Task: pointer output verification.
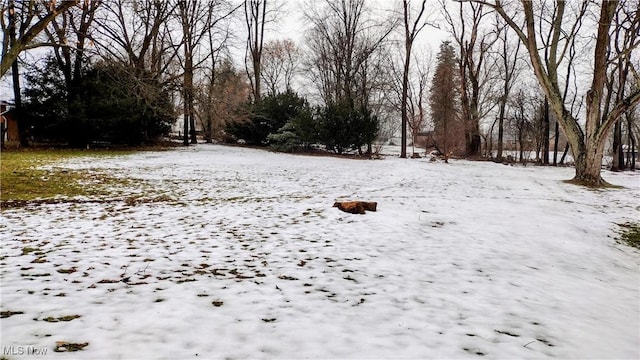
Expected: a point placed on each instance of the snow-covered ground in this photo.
(237, 253)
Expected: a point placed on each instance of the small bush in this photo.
(630, 234)
(285, 140)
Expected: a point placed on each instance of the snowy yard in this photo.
(237, 253)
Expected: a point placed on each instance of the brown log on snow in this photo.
(356, 207)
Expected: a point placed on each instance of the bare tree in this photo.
(219, 91)
(418, 97)
(587, 143)
(281, 59)
(474, 45)
(70, 34)
(540, 129)
(623, 36)
(523, 123)
(413, 25)
(633, 132)
(199, 22)
(390, 93)
(546, 125)
(195, 20)
(257, 14)
(344, 42)
(508, 58)
(23, 23)
(138, 34)
(220, 98)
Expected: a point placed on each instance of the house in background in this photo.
(177, 128)
(8, 125)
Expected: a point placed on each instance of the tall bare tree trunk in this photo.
(210, 96)
(490, 139)
(189, 125)
(411, 31)
(631, 151)
(617, 154)
(255, 12)
(545, 133)
(185, 125)
(596, 134)
(196, 20)
(15, 76)
(192, 117)
(555, 144)
(405, 92)
(501, 128)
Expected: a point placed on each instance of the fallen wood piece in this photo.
(62, 346)
(356, 207)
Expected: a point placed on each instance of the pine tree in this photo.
(443, 99)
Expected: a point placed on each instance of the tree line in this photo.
(529, 75)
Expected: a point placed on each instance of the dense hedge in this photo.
(286, 122)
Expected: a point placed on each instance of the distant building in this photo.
(177, 127)
(9, 135)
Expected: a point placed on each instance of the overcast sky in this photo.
(292, 23)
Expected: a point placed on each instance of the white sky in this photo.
(292, 23)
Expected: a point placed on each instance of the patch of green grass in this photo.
(61, 318)
(630, 234)
(23, 178)
(27, 250)
(67, 271)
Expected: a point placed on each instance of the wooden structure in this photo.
(9, 135)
